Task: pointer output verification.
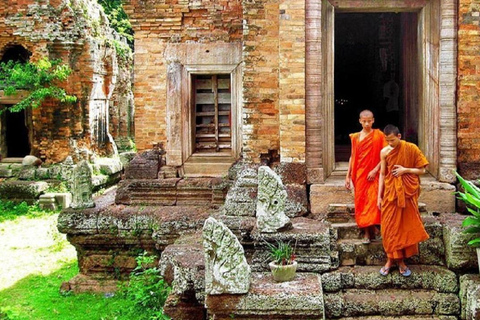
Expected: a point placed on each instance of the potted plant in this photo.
(471, 197)
(283, 264)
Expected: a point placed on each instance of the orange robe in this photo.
(365, 156)
(402, 227)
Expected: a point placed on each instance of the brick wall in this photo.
(157, 23)
(273, 38)
(468, 116)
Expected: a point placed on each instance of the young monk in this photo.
(402, 163)
(363, 168)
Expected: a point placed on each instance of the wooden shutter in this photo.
(212, 113)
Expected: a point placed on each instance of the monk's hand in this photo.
(398, 170)
(371, 175)
(347, 183)
(379, 203)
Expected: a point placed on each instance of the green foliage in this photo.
(282, 253)
(118, 18)
(10, 210)
(471, 197)
(40, 79)
(147, 289)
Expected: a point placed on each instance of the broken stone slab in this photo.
(27, 173)
(426, 277)
(47, 202)
(144, 166)
(6, 173)
(18, 190)
(183, 267)
(226, 269)
(470, 296)
(271, 199)
(301, 298)
(109, 166)
(458, 254)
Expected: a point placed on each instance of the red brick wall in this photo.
(157, 23)
(468, 106)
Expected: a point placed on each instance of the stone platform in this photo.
(301, 298)
(437, 196)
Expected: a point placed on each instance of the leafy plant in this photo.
(118, 18)
(471, 197)
(40, 79)
(282, 253)
(146, 288)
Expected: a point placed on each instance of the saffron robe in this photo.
(402, 227)
(364, 158)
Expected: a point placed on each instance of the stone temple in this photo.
(225, 87)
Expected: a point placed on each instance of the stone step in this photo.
(417, 317)
(207, 166)
(390, 302)
(425, 277)
(172, 192)
(300, 298)
(347, 230)
(354, 252)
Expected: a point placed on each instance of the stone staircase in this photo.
(356, 290)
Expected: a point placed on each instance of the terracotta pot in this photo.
(282, 273)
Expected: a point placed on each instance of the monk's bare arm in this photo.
(399, 170)
(349, 173)
(373, 173)
(381, 178)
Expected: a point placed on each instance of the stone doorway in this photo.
(367, 73)
(425, 71)
(16, 134)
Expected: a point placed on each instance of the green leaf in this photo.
(475, 242)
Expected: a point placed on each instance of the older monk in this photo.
(401, 164)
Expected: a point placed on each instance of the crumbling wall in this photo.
(78, 33)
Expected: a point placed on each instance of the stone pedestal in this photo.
(311, 240)
(301, 298)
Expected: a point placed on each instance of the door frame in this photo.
(436, 76)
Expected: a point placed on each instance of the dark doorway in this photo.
(16, 134)
(14, 123)
(367, 73)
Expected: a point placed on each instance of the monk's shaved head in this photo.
(366, 113)
(391, 129)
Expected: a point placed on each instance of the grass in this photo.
(35, 259)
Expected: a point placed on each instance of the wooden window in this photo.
(212, 105)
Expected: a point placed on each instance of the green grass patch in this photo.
(39, 297)
(10, 210)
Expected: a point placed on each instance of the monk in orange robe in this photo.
(363, 168)
(402, 163)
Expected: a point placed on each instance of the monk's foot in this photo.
(366, 240)
(384, 271)
(404, 271)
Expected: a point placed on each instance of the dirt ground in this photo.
(31, 246)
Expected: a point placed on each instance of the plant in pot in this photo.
(471, 197)
(283, 264)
